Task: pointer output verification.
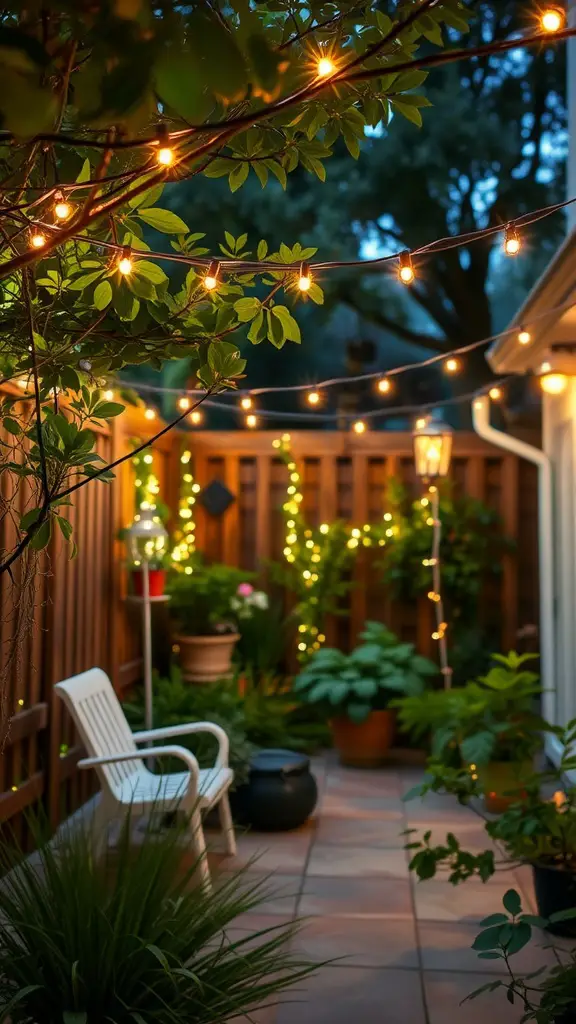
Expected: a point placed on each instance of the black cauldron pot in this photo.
(280, 794)
(555, 890)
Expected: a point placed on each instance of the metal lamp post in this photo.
(146, 539)
(432, 442)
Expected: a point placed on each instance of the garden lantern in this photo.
(432, 441)
(146, 539)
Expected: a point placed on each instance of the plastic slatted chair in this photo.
(127, 784)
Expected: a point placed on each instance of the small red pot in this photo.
(156, 582)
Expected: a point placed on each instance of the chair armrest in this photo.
(138, 755)
(170, 731)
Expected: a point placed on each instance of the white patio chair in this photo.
(127, 784)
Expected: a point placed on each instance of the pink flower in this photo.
(245, 589)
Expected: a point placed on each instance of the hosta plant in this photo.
(365, 680)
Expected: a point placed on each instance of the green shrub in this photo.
(366, 680)
(201, 601)
(132, 939)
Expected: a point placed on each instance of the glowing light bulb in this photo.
(384, 386)
(304, 280)
(251, 421)
(37, 240)
(125, 263)
(524, 337)
(150, 414)
(512, 243)
(406, 272)
(324, 528)
(313, 398)
(109, 395)
(165, 156)
(421, 423)
(451, 366)
(196, 417)
(211, 279)
(554, 383)
(246, 402)
(359, 427)
(325, 67)
(552, 19)
(495, 394)
(62, 209)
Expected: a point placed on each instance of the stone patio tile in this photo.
(353, 807)
(351, 782)
(283, 890)
(285, 852)
(355, 897)
(357, 862)
(446, 946)
(434, 810)
(247, 925)
(363, 831)
(344, 995)
(438, 900)
(359, 941)
(445, 992)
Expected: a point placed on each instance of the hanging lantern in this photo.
(146, 539)
(432, 449)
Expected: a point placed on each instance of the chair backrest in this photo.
(102, 724)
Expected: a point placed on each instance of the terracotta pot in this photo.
(204, 659)
(156, 582)
(364, 745)
(502, 783)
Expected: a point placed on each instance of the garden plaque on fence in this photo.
(216, 498)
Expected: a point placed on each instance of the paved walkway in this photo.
(405, 944)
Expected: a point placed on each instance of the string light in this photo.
(524, 337)
(125, 263)
(553, 383)
(165, 156)
(246, 403)
(185, 546)
(421, 423)
(109, 395)
(313, 398)
(251, 421)
(452, 365)
(183, 403)
(495, 394)
(512, 244)
(384, 386)
(359, 427)
(62, 209)
(37, 239)
(211, 279)
(552, 19)
(150, 414)
(406, 270)
(196, 417)
(304, 279)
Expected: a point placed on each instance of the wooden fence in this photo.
(345, 476)
(79, 621)
(81, 618)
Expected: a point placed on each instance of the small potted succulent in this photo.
(489, 725)
(356, 690)
(206, 605)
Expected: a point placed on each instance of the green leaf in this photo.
(29, 518)
(358, 712)
(181, 84)
(85, 172)
(494, 919)
(65, 527)
(258, 329)
(102, 295)
(151, 271)
(316, 294)
(408, 111)
(12, 426)
(238, 176)
(107, 410)
(247, 308)
(41, 537)
(275, 330)
(512, 902)
(79, 283)
(163, 220)
(289, 324)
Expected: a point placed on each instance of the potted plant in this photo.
(206, 605)
(132, 936)
(489, 725)
(548, 995)
(355, 691)
(157, 570)
(539, 830)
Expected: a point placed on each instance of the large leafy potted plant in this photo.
(490, 725)
(206, 605)
(355, 691)
(132, 937)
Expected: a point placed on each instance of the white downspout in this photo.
(482, 426)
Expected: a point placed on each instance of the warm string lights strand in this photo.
(435, 595)
(185, 536)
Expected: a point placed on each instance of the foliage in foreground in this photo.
(365, 680)
(132, 939)
(546, 995)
